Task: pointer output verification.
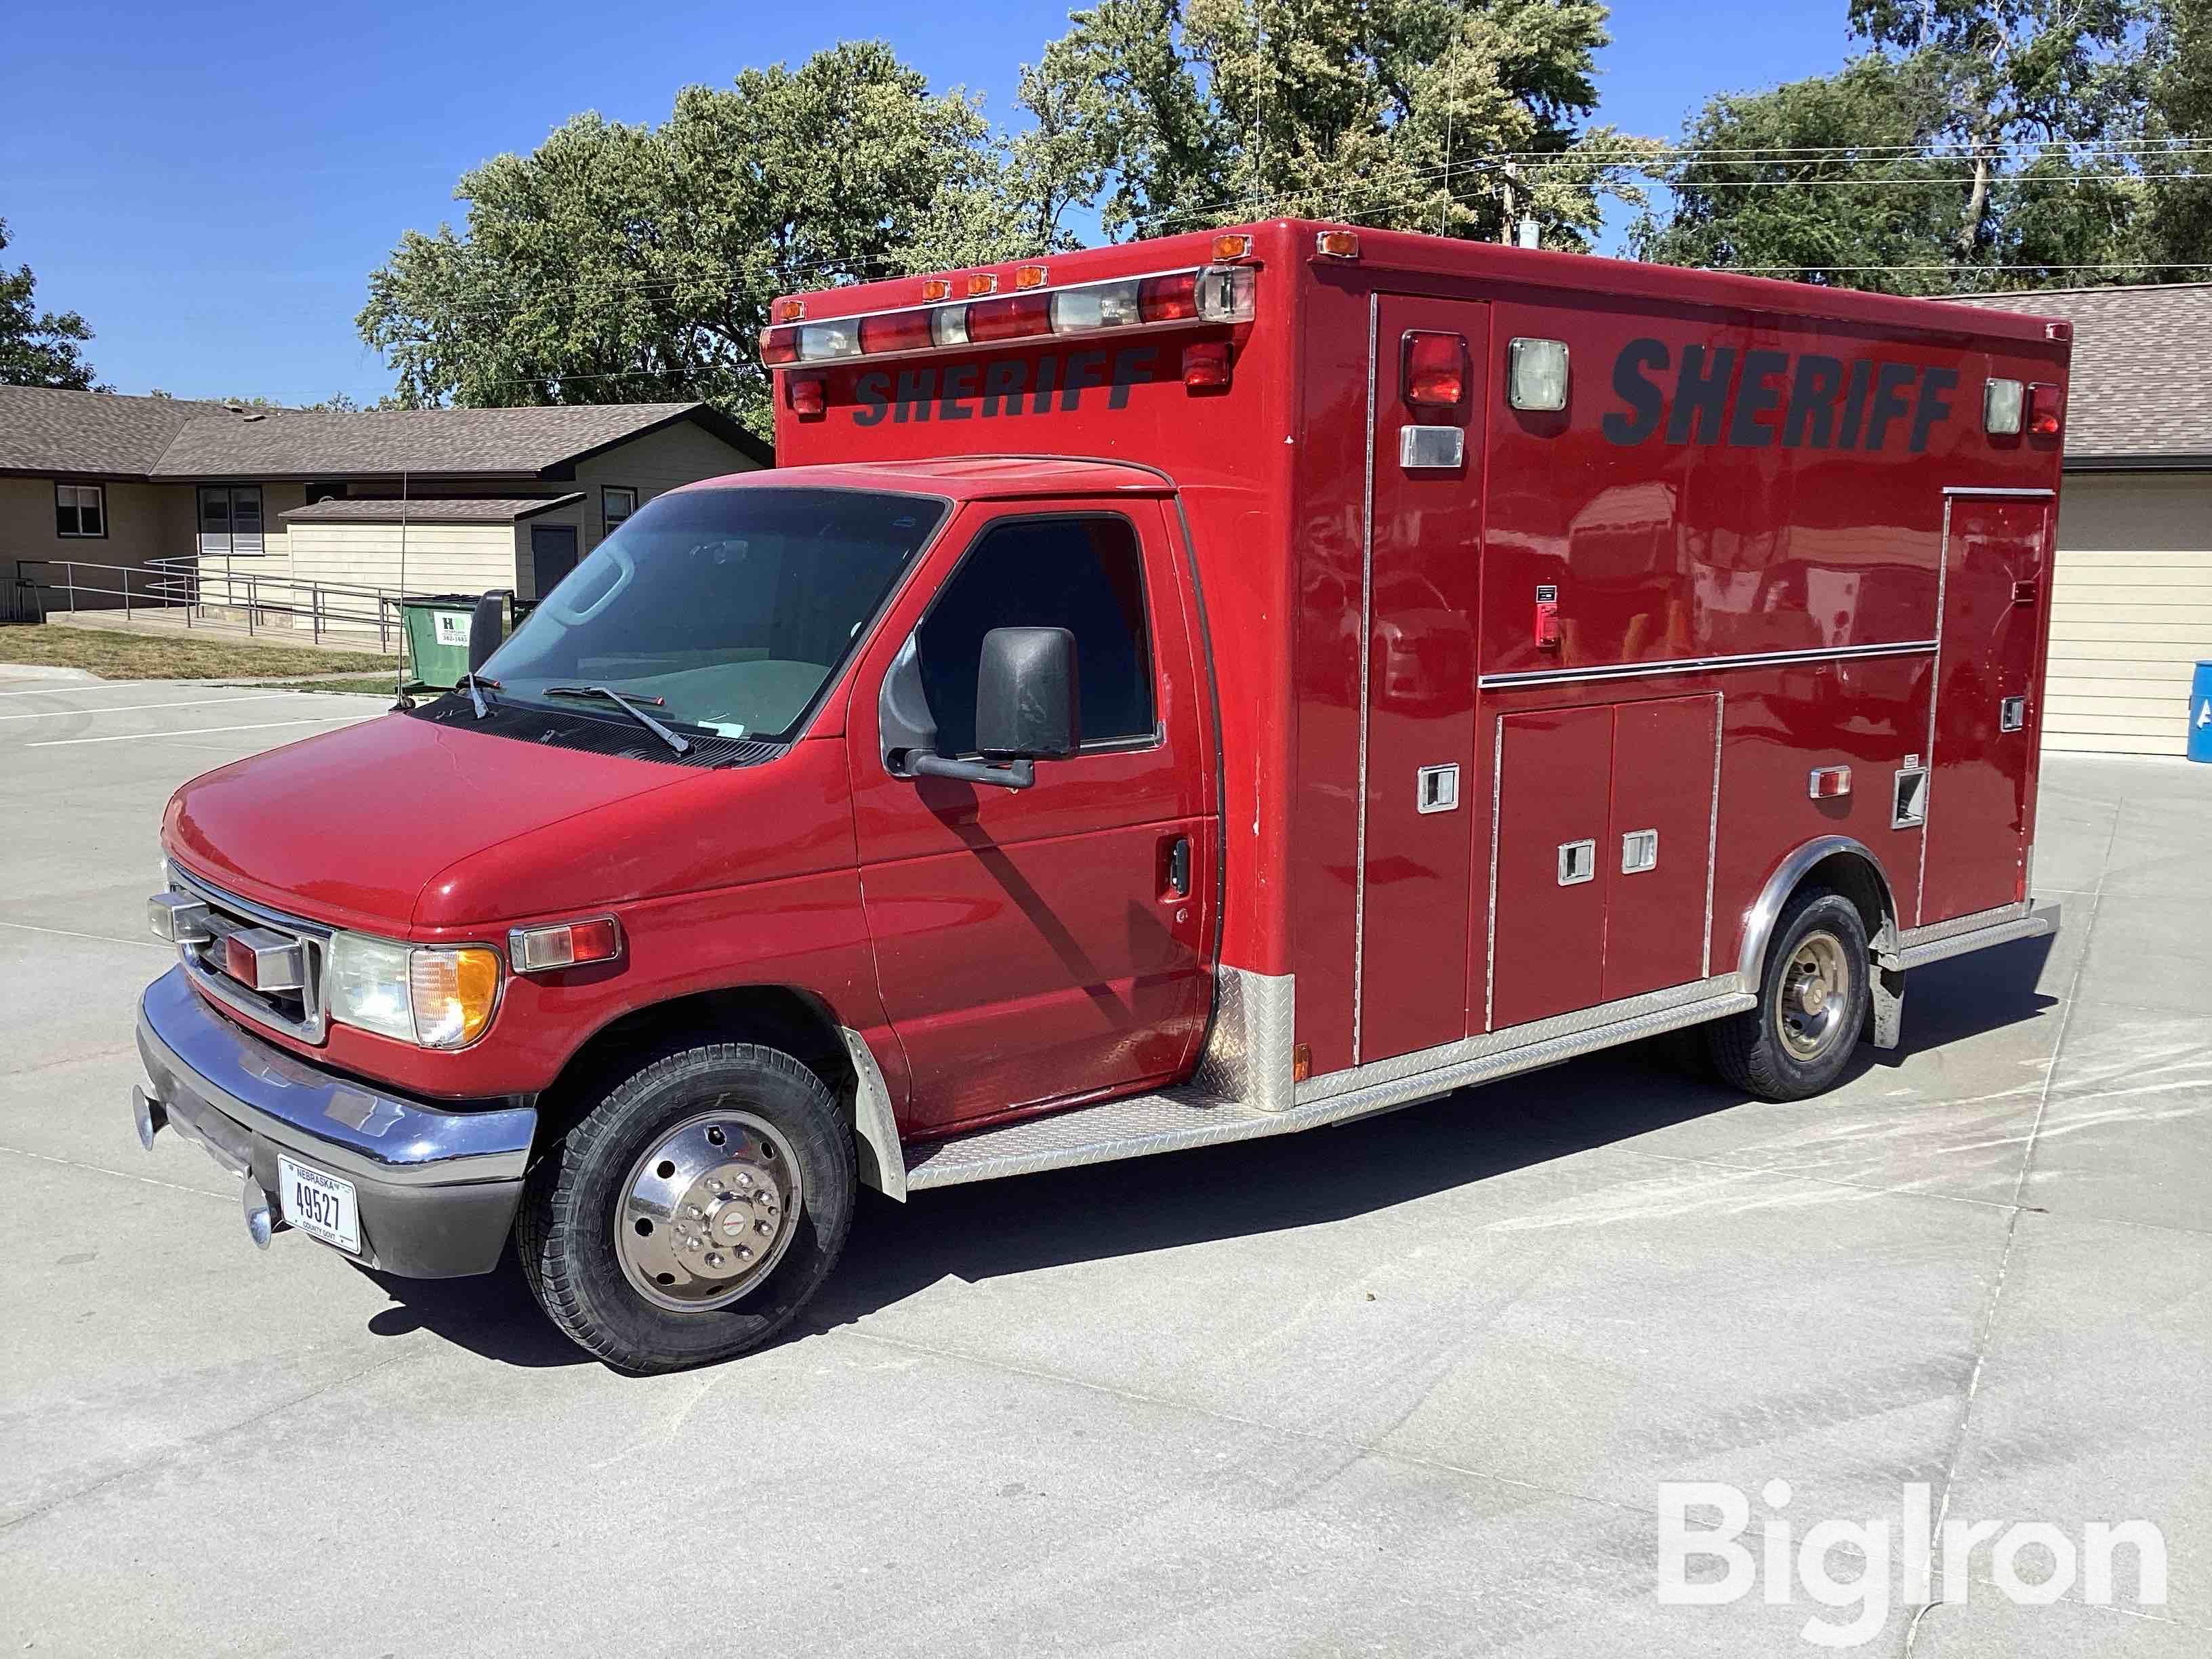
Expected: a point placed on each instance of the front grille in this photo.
(612, 734)
(299, 1013)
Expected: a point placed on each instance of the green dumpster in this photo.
(437, 629)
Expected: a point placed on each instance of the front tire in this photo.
(1813, 1001)
(692, 1212)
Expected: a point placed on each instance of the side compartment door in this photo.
(1044, 945)
(1986, 721)
(1550, 872)
(1665, 755)
(1420, 778)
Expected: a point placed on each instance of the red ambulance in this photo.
(1169, 694)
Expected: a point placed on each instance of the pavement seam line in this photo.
(97, 938)
(120, 1175)
(193, 1442)
(1986, 1326)
(1362, 1447)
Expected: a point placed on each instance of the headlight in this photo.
(436, 998)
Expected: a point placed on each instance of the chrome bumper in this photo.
(436, 1188)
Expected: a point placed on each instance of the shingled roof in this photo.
(2142, 382)
(464, 509)
(101, 433)
(44, 430)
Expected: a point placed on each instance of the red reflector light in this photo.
(807, 394)
(786, 310)
(780, 346)
(1010, 318)
(565, 944)
(1205, 368)
(238, 961)
(1168, 298)
(1435, 369)
(896, 330)
(2046, 405)
(1830, 782)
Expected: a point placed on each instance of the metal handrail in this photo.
(182, 587)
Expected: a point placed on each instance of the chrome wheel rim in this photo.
(1816, 992)
(706, 1212)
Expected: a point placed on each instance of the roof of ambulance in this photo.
(1393, 254)
(961, 477)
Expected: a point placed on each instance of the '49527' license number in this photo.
(318, 1204)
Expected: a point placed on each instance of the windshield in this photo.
(734, 606)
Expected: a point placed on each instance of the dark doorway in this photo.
(552, 556)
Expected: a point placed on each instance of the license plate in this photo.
(320, 1205)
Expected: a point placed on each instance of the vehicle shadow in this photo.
(492, 1315)
(1102, 1211)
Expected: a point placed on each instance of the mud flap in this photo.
(1886, 1009)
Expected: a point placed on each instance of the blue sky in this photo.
(211, 184)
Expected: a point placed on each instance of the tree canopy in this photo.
(39, 348)
(624, 263)
(1967, 144)
(1972, 144)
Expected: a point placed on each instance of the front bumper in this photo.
(436, 1188)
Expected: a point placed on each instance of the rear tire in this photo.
(692, 1212)
(1813, 1001)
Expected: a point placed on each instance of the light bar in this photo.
(1204, 293)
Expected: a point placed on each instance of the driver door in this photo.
(1046, 945)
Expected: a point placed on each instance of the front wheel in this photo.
(1812, 1006)
(693, 1211)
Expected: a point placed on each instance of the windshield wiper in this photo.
(470, 683)
(628, 708)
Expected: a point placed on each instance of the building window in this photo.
(80, 509)
(1082, 573)
(230, 518)
(617, 502)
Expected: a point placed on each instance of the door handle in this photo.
(1176, 868)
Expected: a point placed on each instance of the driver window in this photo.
(1082, 573)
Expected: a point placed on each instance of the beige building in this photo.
(99, 493)
(2131, 601)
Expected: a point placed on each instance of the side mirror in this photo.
(487, 627)
(1026, 694)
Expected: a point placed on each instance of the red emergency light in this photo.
(1204, 293)
(1434, 369)
(2046, 405)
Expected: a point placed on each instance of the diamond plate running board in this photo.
(1141, 1125)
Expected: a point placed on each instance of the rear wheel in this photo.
(693, 1211)
(1812, 1003)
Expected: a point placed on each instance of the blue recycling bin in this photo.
(2200, 714)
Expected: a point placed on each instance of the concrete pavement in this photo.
(1410, 1385)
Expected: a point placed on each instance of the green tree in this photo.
(1822, 180)
(2178, 207)
(2046, 71)
(1457, 116)
(635, 264)
(39, 348)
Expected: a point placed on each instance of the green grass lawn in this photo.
(118, 656)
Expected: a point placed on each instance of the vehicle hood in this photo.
(349, 827)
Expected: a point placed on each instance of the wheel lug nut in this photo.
(714, 1258)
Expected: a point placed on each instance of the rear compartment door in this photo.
(1419, 777)
(1046, 945)
(1985, 724)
